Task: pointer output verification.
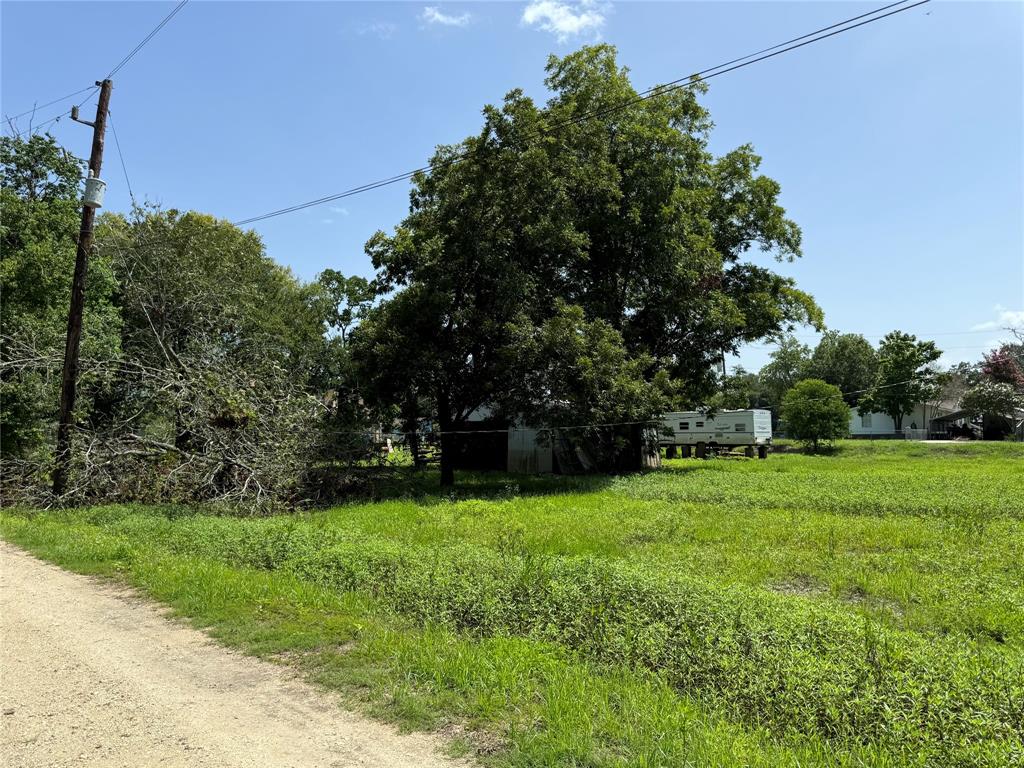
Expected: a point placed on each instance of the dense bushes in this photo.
(794, 666)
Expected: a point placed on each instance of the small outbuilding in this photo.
(488, 443)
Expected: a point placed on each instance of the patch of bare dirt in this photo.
(800, 585)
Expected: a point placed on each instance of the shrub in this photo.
(815, 412)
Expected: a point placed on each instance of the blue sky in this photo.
(898, 146)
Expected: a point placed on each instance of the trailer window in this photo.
(684, 425)
(700, 423)
(740, 428)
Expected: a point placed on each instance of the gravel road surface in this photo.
(93, 675)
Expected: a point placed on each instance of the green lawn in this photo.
(863, 608)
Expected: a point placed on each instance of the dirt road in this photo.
(92, 675)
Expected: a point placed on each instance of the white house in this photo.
(916, 424)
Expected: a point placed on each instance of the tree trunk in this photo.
(899, 422)
(444, 421)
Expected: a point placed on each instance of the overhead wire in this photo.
(146, 39)
(48, 104)
(57, 118)
(779, 48)
(117, 68)
(120, 154)
(656, 91)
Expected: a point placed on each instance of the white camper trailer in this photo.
(699, 432)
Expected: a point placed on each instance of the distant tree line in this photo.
(892, 379)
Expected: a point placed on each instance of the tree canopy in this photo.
(846, 360)
(787, 366)
(599, 201)
(39, 198)
(815, 412)
(905, 377)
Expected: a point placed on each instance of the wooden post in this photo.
(69, 380)
(444, 419)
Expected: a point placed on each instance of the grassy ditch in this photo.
(708, 613)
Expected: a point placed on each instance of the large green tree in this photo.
(906, 377)
(38, 231)
(846, 360)
(195, 290)
(597, 199)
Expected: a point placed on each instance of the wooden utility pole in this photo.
(69, 380)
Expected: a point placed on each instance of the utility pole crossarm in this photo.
(69, 380)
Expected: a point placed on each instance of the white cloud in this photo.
(1005, 318)
(339, 211)
(565, 19)
(326, 221)
(432, 15)
(385, 30)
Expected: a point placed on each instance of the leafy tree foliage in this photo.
(1006, 365)
(190, 278)
(341, 302)
(847, 360)
(585, 372)
(196, 293)
(739, 390)
(37, 237)
(37, 169)
(624, 214)
(990, 397)
(814, 412)
(789, 363)
(905, 376)
(996, 392)
(583, 375)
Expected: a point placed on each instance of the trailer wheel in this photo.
(670, 452)
(749, 451)
(762, 451)
(687, 451)
(702, 450)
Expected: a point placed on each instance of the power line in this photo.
(146, 39)
(49, 103)
(731, 65)
(56, 119)
(115, 70)
(673, 85)
(117, 143)
(93, 90)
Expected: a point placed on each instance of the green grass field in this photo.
(861, 608)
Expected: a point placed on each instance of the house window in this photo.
(865, 420)
(684, 425)
(740, 428)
